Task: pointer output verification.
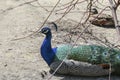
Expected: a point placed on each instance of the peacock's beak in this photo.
(40, 31)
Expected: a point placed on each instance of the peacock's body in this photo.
(86, 60)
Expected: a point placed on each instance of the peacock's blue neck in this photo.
(46, 50)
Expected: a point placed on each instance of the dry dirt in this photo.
(20, 59)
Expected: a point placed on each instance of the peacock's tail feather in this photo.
(88, 53)
(72, 67)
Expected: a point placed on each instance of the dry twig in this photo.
(42, 24)
(114, 7)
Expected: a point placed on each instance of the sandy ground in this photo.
(20, 59)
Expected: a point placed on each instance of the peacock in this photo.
(102, 20)
(80, 60)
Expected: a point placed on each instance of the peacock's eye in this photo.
(46, 31)
(105, 53)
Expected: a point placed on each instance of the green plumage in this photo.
(89, 53)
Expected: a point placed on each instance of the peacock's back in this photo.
(88, 53)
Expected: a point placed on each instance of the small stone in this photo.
(5, 65)
(9, 49)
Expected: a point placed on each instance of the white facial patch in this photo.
(46, 31)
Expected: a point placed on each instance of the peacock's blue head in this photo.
(46, 30)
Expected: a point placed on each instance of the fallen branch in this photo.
(11, 8)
